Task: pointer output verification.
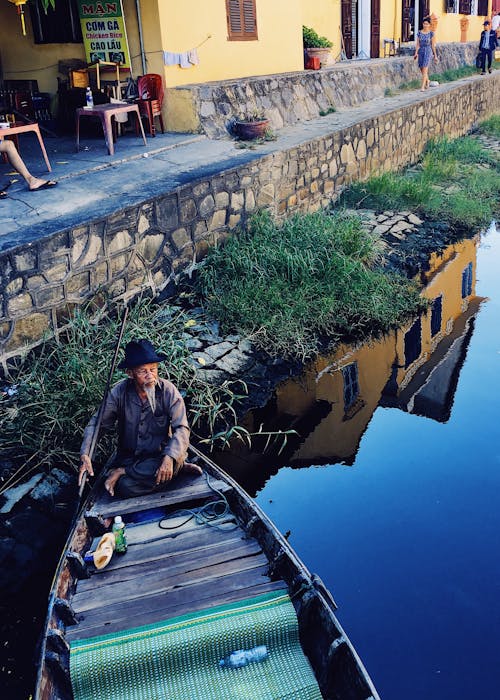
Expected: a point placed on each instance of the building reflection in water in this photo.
(415, 369)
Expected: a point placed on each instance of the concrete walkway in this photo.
(93, 184)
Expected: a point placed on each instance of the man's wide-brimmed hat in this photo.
(140, 352)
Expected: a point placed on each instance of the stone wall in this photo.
(289, 98)
(144, 245)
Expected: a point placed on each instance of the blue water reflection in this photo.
(407, 537)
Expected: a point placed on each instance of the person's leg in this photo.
(490, 59)
(483, 61)
(9, 148)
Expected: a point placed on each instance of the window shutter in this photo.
(464, 7)
(482, 7)
(241, 20)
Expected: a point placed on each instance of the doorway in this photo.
(413, 11)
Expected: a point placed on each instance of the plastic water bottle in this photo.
(120, 536)
(242, 657)
(89, 98)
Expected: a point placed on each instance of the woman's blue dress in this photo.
(424, 49)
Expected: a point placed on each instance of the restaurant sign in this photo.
(104, 32)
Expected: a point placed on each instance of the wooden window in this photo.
(482, 8)
(413, 343)
(59, 25)
(436, 315)
(464, 7)
(351, 384)
(241, 20)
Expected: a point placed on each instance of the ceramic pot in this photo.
(324, 55)
(247, 131)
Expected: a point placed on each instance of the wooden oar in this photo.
(97, 426)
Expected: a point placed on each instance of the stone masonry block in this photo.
(218, 220)
(120, 241)
(150, 246)
(237, 201)
(27, 330)
(25, 261)
(57, 272)
(206, 206)
(49, 296)
(79, 284)
(266, 195)
(18, 304)
(14, 287)
(187, 211)
(180, 238)
(167, 214)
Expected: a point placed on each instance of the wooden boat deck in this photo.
(166, 573)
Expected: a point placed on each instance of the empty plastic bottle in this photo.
(242, 657)
(89, 97)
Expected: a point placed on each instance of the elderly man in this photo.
(153, 432)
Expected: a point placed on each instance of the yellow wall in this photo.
(449, 24)
(187, 24)
(323, 16)
(23, 59)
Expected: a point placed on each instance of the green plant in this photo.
(309, 280)
(447, 185)
(59, 386)
(491, 126)
(329, 110)
(312, 40)
(255, 116)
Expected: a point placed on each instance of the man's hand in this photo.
(85, 466)
(165, 471)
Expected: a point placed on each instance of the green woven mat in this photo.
(179, 659)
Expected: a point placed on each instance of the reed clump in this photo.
(308, 282)
(55, 390)
(456, 181)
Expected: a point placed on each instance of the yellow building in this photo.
(415, 369)
(199, 41)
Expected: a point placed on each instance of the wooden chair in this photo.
(150, 90)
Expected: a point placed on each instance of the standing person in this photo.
(487, 44)
(495, 24)
(34, 183)
(425, 48)
(152, 426)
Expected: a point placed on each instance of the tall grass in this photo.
(308, 280)
(457, 180)
(59, 386)
(491, 126)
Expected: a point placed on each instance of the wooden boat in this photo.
(179, 573)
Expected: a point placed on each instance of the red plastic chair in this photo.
(150, 90)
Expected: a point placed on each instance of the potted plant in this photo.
(251, 127)
(315, 45)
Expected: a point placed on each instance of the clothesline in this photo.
(184, 59)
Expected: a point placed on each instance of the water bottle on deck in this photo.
(242, 657)
(120, 537)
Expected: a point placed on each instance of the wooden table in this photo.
(105, 112)
(22, 129)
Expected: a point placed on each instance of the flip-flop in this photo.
(3, 194)
(45, 186)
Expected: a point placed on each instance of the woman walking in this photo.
(425, 48)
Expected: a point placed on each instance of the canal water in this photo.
(391, 491)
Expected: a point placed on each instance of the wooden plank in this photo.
(148, 585)
(181, 562)
(115, 618)
(205, 538)
(191, 488)
(148, 532)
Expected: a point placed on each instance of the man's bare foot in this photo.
(113, 477)
(190, 468)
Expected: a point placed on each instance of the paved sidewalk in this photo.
(93, 184)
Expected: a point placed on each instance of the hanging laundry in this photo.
(185, 59)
